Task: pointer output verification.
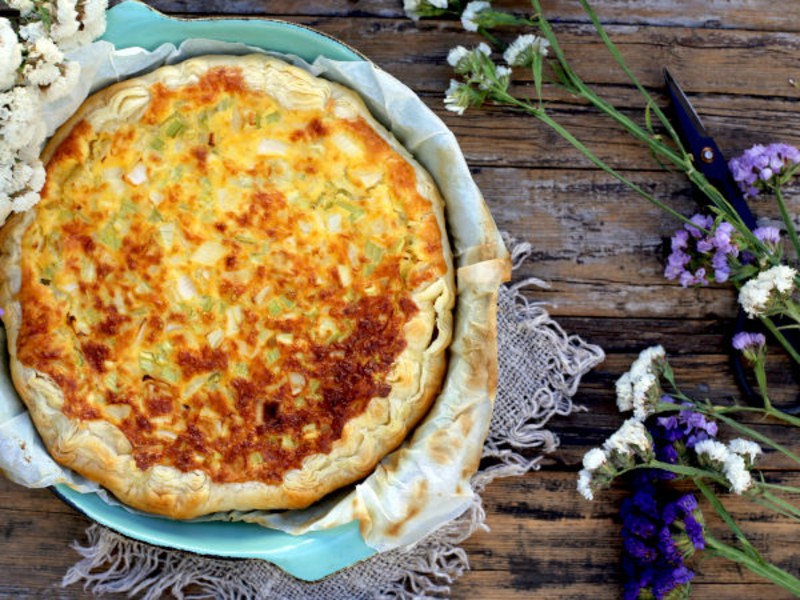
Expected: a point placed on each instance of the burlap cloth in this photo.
(540, 367)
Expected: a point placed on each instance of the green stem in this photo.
(780, 488)
(761, 378)
(722, 512)
(767, 570)
(788, 220)
(773, 329)
(777, 509)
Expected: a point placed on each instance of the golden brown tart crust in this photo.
(235, 293)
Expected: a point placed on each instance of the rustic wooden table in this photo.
(600, 247)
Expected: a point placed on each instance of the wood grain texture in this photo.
(598, 246)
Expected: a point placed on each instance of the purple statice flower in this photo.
(695, 532)
(671, 579)
(768, 235)
(760, 164)
(695, 254)
(745, 340)
(667, 547)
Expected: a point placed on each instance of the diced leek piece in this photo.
(241, 369)
(287, 303)
(257, 120)
(356, 212)
(374, 252)
(272, 117)
(309, 428)
(108, 235)
(206, 304)
(202, 120)
(171, 375)
(334, 337)
(174, 128)
(147, 362)
(256, 458)
(245, 239)
(111, 382)
(315, 385)
(167, 232)
(284, 338)
(79, 358)
(216, 457)
(215, 338)
(264, 335)
(273, 355)
(288, 442)
(155, 216)
(128, 207)
(224, 104)
(213, 379)
(274, 308)
(398, 246)
(157, 144)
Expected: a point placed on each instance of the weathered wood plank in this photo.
(715, 14)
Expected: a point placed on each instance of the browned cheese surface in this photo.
(599, 246)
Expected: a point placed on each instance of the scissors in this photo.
(711, 162)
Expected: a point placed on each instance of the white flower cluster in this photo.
(33, 71)
(758, 293)
(522, 51)
(411, 7)
(470, 15)
(639, 389)
(734, 461)
(630, 440)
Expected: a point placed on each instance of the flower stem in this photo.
(722, 512)
(767, 570)
(788, 220)
(773, 329)
(761, 378)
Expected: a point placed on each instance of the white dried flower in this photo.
(92, 25)
(522, 50)
(25, 201)
(594, 459)
(736, 473)
(631, 438)
(456, 55)
(585, 484)
(468, 17)
(625, 393)
(43, 64)
(439, 3)
(21, 125)
(757, 293)
(456, 98)
(714, 450)
(10, 54)
(410, 7)
(23, 6)
(746, 449)
(643, 389)
(64, 84)
(33, 31)
(65, 22)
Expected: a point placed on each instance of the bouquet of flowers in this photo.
(33, 71)
(671, 436)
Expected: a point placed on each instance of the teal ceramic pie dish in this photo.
(310, 556)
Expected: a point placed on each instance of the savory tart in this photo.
(235, 292)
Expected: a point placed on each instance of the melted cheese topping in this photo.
(225, 280)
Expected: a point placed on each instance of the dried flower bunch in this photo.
(670, 435)
(34, 70)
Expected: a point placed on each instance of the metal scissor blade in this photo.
(684, 109)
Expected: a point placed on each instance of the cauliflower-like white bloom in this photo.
(25, 201)
(439, 3)
(65, 22)
(456, 55)
(714, 450)
(630, 438)
(503, 72)
(523, 49)
(33, 31)
(43, 64)
(625, 393)
(91, 26)
(641, 396)
(21, 124)
(756, 294)
(745, 448)
(594, 459)
(736, 473)
(468, 17)
(10, 54)
(23, 6)
(585, 484)
(410, 7)
(64, 84)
